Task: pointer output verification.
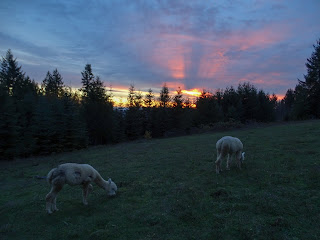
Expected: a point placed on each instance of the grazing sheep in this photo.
(75, 174)
(229, 146)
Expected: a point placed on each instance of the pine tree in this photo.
(131, 96)
(18, 96)
(164, 97)
(8, 127)
(231, 105)
(149, 103)
(177, 99)
(249, 102)
(149, 99)
(208, 109)
(87, 80)
(11, 76)
(75, 135)
(311, 84)
(97, 108)
(134, 116)
(177, 110)
(288, 102)
(53, 84)
(301, 108)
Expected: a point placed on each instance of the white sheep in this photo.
(75, 174)
(228, 146)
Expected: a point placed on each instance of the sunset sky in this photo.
(187, 44)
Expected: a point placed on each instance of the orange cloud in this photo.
(192, 92)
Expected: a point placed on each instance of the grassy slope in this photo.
(168, 189)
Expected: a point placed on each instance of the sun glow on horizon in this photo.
(193, 92)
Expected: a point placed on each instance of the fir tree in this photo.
(164, 97)
(149, 99)
(87, 81)
(53, 84)
(311, 84)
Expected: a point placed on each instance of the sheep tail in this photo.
(51, 175)
(56, 176)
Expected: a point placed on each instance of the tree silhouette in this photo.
(97, 108)
(164, 97)
(134, 116)
(53, 85)
(311, 83)
(149, 99)
(17, 99)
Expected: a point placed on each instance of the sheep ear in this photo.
(109, 180)
(243, 154)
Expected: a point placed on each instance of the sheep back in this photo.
(76, 174)
(229, 144)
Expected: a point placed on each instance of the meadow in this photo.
(168, 189)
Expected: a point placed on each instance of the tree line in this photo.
(39, 119)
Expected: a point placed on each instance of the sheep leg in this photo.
(51, 198)
(228, 162)
(218, 163)
(54, 205)
(86, 189)
(239, 160)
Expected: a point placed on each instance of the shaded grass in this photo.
(168, 189)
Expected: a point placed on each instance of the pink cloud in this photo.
(173, 52)
(244, 40)
(212, 63)
(171, 56)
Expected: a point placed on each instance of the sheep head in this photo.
(111, 188)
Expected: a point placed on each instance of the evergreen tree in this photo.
(249, 102)
(149, 103)
(162, 115)
(11, 76)
(134, 116)
(311, 84)
(87, 80)
(266, 106)
(231, 105)
(53, 84)
(177, 110)
(301, 108)
(75, 133)
(177, 99)
(8, 127)
(164, 97)
(44, 128)
(131, 96)
(288, 102)
(208, 109)
(138, 101)
(149, 99)
(188, 103)
(17, 98)
(97, 108)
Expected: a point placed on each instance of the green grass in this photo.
(168, 189)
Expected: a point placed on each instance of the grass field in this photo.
(168, 189)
